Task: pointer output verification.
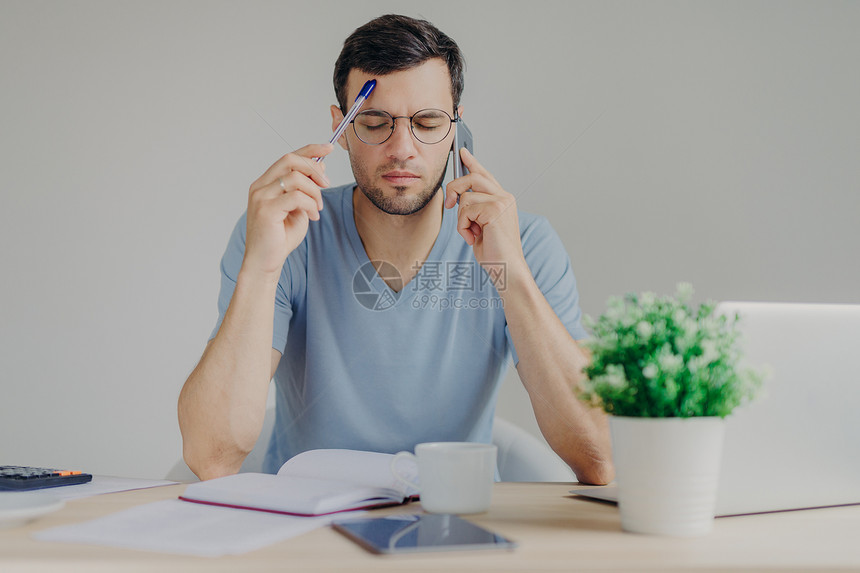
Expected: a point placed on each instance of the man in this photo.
(421, 357)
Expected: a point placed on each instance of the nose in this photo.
(401, 144)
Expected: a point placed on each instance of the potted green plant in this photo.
(667, 375)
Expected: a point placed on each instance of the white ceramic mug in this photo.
(456, 477)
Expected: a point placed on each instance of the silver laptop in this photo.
(798, 445)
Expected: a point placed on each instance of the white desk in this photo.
(555, 532)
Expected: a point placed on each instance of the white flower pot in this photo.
(667, 471)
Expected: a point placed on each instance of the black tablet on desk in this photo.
(420, 533)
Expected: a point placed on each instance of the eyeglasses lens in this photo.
(429, 126)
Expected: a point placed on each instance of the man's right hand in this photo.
(280, 205)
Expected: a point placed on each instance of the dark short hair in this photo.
(394, 43)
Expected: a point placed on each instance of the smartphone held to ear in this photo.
(462, 138)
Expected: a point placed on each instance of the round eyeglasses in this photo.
(429, 126)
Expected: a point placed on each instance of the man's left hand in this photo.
(487, 217)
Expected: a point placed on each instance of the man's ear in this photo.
(336, 118)
(459, 111)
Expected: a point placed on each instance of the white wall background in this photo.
(715, 142)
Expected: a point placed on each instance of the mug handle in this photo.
(397, 457)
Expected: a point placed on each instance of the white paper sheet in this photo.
(98, 486)
(174, 526)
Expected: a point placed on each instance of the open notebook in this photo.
(316, 482)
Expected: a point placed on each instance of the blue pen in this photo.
(359, 100)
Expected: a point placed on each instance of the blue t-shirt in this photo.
(365, 367)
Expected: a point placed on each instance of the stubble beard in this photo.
(400, 203)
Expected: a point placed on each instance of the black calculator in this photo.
(18, 478)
